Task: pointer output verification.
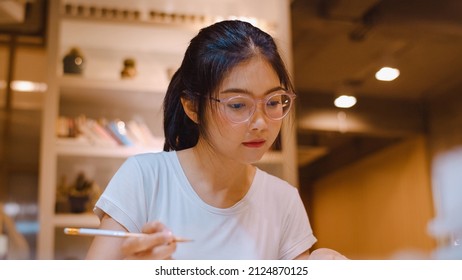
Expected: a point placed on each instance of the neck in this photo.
(219, 181)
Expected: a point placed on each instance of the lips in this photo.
(254, 144)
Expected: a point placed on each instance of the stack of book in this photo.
(104, 133)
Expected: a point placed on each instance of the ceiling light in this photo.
(345, 101)
(28, 86)
(387, 74)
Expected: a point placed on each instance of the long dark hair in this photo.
(211, 54)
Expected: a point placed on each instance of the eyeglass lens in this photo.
(241, 108)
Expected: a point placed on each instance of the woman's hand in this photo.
(326, 254)
(157, 245)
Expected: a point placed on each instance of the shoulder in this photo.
(273, 181)
(152, 159)
(153, 156)
(147, 163)
(275, 186)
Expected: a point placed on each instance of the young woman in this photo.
(223, 110)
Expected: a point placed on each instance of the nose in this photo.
(259, 121)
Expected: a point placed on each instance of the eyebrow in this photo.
(244, 91)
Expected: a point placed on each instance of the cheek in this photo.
(219, 126)
(274, 130)
(231, 131)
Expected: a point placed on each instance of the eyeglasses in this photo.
(239, 109)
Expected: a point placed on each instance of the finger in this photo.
(162, 252)
(134, 245)
(154, 226)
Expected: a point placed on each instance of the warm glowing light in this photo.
(387, 74)
(28, 86)
(345, 101)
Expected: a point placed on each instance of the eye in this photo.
(274, 101)
(238, 104)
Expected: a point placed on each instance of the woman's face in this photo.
(245, 142)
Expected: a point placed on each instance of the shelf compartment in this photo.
(109, 152)
(162, 38)
(69, 83)
(126, 93)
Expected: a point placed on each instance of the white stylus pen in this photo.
(113, 233)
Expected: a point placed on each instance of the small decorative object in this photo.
(73, 62)
(129, 70)
(79, 195)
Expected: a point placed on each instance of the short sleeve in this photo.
(298, 235)
(123, 199)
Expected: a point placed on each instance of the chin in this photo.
(254, 159)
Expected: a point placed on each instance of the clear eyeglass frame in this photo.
(241, 108)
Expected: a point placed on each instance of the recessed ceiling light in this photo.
(345, 101)
(387, 74)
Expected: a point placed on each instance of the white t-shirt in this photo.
(270, 222)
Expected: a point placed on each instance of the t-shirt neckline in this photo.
(241, 205)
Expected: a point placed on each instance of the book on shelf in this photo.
(66, 127)
(104, 133)
(119, 131)
(141, 133)
(97, 135)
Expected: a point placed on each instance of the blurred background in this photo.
(369, 172)
(380, 173)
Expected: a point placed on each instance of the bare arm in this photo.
(303, 256)
(321, 254)
(326, 254)
(157, 245)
